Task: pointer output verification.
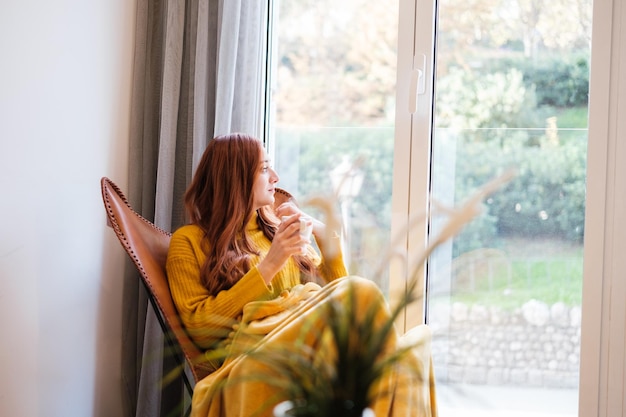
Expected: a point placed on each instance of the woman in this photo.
(238, 271)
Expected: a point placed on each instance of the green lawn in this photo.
(570, 118)
(543, 271)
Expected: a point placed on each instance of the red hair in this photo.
(219, 200)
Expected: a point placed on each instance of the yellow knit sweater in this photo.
(209, 319)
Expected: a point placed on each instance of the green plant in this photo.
(340, 383)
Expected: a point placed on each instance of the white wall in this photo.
(65, 75)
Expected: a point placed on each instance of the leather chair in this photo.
(147, 246)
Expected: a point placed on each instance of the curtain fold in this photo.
(239, 94)
(197, 73)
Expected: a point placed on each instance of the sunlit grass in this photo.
(509, 282)
(571, 118)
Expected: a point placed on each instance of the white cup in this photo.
(306, 229)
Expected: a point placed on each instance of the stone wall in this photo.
(536, 345)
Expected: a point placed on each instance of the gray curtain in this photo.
(198, 72)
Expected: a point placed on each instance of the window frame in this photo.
(602, 368)
(602, 388)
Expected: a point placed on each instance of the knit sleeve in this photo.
(208, 319)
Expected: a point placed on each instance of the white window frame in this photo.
(602, 388)
(602, 374)
(602, 391)
(412, 151)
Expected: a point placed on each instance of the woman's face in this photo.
(263, 188)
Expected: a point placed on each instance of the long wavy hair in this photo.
(219, 200)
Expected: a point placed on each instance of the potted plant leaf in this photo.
(340, 381)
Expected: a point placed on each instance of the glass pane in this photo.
(505, 306)
(333, 95)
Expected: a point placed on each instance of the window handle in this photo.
(418, 81)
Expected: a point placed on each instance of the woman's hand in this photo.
(328, 241)
(287, 242)
(289, 209)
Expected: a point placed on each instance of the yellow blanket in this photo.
(238, 389)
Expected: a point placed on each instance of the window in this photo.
(510, 90)
(333, 79)
(498, 84)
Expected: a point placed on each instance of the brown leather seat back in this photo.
(147, 246)
(282, 196)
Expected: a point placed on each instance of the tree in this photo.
(336, 65)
